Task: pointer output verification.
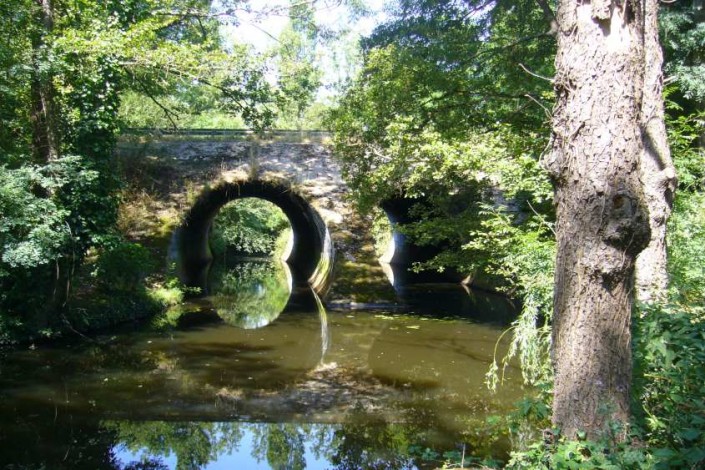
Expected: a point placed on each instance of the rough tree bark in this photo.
(658, 174)
(602, 218)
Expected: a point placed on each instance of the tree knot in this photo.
(627, 226)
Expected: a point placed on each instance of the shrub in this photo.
(123, 267)
(563, 454)
(669, 354)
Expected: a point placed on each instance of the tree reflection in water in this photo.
(194, 445)
(363, 442)
(402, 389)
(250, 294)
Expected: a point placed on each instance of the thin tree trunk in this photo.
(45, 140)
(658, 174)
(698, 57)
(602, 222)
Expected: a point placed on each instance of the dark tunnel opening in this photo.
(403, 253)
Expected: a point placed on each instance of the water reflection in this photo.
(259, 375)
(250, 294)
(351, 446)
(51, 439)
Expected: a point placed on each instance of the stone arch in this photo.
(311, 256)
(402, 253)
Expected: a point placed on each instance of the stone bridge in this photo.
(298, 173)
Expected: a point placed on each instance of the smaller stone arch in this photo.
(312, 253)
(402, 253)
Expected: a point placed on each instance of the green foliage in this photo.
(299, 77)
(170, 52)
(33, 230)
(313, 117)
(193, 444)
(563, 454)
(43, 234)
(422, 118)
(123, 267)
(525, 256)
(686, 259)
(138, 112)
(249, 226)
(684, 131)
(88, 194)
(686, 228)
(15, 21)
(169, 294)
(669, 344)
(683, 39)
(381, 230)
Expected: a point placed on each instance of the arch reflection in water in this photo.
(260, 327)
(250, 294)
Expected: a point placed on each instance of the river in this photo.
(259, 374)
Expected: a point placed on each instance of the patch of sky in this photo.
(259, 23)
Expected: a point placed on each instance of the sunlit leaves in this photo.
(669, 352)
(250, 226)
(33, 231)
(158, 57)
(683, 38)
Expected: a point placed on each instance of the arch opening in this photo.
(401, 252)
(251, 228)
(311, 254)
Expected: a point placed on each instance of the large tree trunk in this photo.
(658, 174)
(602, 219)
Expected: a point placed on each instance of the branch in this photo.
(193, 13)
(549, 80)
(550, 16)
(492, 50)
(167, 112)
(545, 109)
(204, 34)
(542, 219)
(256, 26)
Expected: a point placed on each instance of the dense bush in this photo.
(668, 404)
(574, 455)
(44, 234)
(123, 267)
(669, 353)
(686, 228)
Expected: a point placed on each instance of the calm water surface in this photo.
(259, 375)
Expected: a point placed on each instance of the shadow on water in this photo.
(258, 375)
(433, 294)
